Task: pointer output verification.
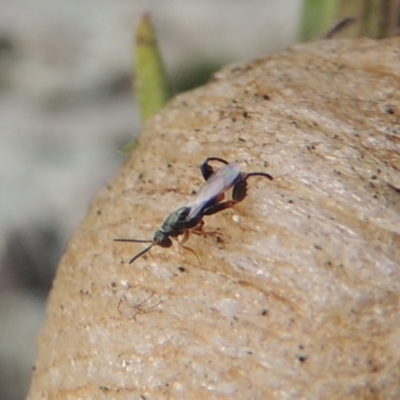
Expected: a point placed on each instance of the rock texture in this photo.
(297, 297)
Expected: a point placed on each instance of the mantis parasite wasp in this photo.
(207, 201)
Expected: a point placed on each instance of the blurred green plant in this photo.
(318, 17)
(150, 82)
(150, 79)
(380, 18)
(375, 18)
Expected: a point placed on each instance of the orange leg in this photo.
(181, 244)
(198, 230)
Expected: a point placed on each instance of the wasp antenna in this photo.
(260, 174)
(141, 253)
(133, 240)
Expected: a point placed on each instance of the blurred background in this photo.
(67, 108)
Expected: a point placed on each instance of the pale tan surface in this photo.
(300, 298)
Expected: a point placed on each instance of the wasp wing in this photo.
(213, 190)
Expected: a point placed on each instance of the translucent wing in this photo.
(217, 185)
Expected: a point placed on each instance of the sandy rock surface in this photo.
(297, 297)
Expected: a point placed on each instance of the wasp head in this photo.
(162, 239)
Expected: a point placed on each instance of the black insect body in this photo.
(207, 201)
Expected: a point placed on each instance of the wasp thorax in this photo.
(162, 239)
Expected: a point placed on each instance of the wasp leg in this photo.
(198, 230)
(206, 169)
(181, 243)
(219, 207)
(238, 194)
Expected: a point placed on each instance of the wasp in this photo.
(207, 201)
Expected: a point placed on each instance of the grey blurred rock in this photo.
(21, 317)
